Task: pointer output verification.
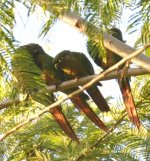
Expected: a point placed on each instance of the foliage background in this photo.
(42, 139)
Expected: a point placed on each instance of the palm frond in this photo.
(104, 12)
(47, 26)
(42, 139)
(7, 41)
(29, 76)
(7, 20)
(141, 17)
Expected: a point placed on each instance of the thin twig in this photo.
(102, 138)
(86, 86)
(111, 130)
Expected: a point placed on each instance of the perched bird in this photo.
(31, 80)
(111, 59)
(77, 65)
(54, 76)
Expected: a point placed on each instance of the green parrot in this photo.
(31, 80)
(54, 76)
(124, 84)
(77, 65)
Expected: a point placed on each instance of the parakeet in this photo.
(78, 65)
(111, 59)
(31, 80)
(54, 76)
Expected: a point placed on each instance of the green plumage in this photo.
(76, 64)
(30, 69)
(29, 78)
(110, 58)
(50, 75)
(113, 58)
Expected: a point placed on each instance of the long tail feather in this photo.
(85, 108)
(129, 102)
(98, 99)
(63, 123)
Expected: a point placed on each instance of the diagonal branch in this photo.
(73, 83)
(105, 135)
(102, 138)
(86, 86)
(109, 41)
(82, 25)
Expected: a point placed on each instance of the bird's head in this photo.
(33, 48)
(115, 32)
(61, 60)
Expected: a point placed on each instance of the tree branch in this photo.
(86, 86)
(74, 83)
(109, 41)
(105, 135)
(102, 138)
(82, 25)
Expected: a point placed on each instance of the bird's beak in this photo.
(56, 65)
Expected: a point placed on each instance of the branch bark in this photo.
(73, 83)
(82, 25)
(86, 86)
(109, 41)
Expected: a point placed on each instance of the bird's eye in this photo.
(60, 59)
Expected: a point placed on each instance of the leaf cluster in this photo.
(42, 139)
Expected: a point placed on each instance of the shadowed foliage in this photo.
(42, 139)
